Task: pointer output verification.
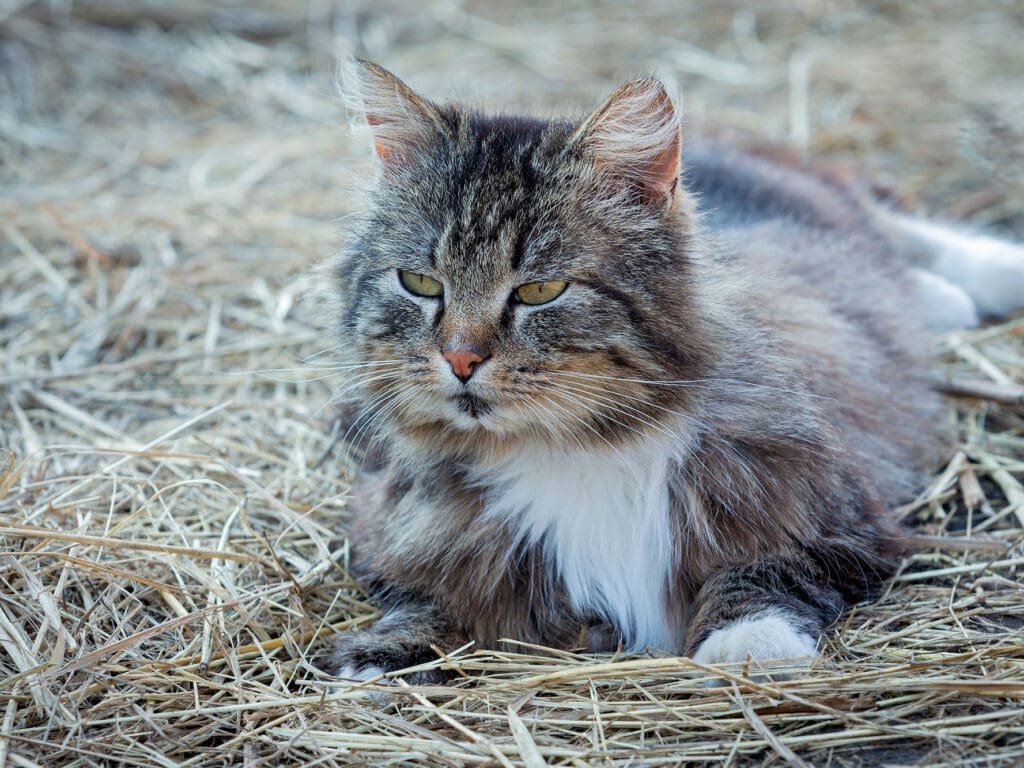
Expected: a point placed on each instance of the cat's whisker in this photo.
(705, 429)
(403, 397)
(297, 379)
(321, 353)
(568, 433)
(351, 383)
(605, 402)
(334, 348)
(338, 368)
(626, 462)
(393, 401)
(335, 367)
(346, 373)
(338, 394)
(362, 380)
(397, 407)
(386, 361)
(374, 421)
(370, 411)
(689, 382)
(600, 410)
(610, 390)
(363, 421)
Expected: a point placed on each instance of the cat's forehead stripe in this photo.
(504, 168)
(493, 211)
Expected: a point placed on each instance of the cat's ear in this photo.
(635, 137)
(403, 124)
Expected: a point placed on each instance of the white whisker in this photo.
(688, 382)
(593, 429)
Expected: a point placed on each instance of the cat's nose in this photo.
(465, 361)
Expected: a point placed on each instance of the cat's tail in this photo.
(962, 275)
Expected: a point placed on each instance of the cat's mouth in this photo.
(471, 405)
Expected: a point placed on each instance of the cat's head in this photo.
(519, 277)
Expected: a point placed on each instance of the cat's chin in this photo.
(472, 414)
(485, 422)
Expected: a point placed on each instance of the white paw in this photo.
(763, 640)
(351, 680)
(993, 272)
(945, 307)
(990, 270)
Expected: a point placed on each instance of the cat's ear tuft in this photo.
(403, 124)
(636, 137)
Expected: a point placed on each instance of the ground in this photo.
(172, 548)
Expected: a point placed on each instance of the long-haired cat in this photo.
(613, 392)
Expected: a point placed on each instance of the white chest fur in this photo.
(602, 519)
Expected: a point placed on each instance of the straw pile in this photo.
(172, 554)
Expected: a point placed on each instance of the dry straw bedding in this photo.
(172, 553)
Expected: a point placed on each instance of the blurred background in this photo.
(174, 109)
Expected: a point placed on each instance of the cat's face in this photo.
(503, 281)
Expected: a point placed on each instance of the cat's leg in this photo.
(776, 609)
(988, 269)
(404, 637)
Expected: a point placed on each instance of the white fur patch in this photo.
(769, 636)
(603, 520)
(991, 271)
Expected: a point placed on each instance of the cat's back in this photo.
(801, 230)
(738, 187)
(830, 293)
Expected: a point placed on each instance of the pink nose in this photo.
(464, 361)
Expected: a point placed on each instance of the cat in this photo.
(607, 397)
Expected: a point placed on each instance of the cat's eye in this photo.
(420, 284)
(540, 293)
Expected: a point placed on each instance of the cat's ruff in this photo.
(602, 517)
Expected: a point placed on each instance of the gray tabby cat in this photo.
(606, 399)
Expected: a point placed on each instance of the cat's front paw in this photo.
(351, 677)
(366, 661)
(358, 674)
(770, 640)
(352, 668)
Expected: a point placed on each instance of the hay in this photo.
(171, 553)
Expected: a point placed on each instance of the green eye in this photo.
(540, 293)
(420, 285)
